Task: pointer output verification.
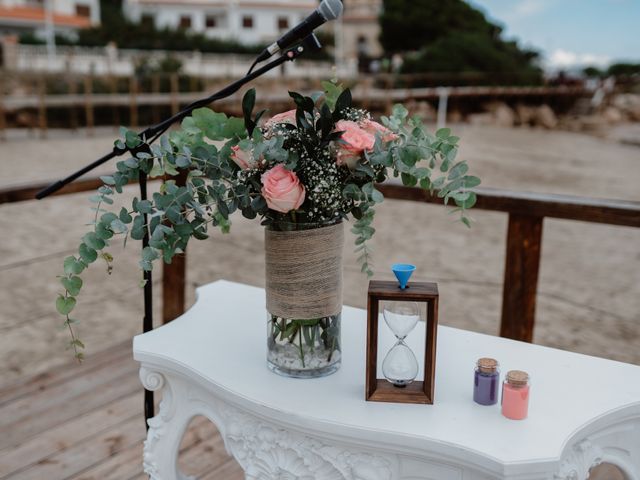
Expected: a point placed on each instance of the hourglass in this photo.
(403, 304)
(400, 366)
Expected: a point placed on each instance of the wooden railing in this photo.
(134, 100)
(524, 236)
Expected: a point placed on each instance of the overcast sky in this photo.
(571, 33)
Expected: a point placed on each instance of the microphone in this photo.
(326, 11)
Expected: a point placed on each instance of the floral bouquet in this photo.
(304, 170)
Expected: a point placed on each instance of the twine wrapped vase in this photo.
(304, 298)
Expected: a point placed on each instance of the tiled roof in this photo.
(33, 15)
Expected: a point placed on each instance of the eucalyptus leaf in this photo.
(72, 285)
(65, 305)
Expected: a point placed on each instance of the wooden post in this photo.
(174, 278)
(113, 84)
(524, 241)
(88, 104)
(3, 117)
(133, 101)
(42, 106)
(73, 111)
(155, 88)
(389, 94)
(174, 93)
(173, 287)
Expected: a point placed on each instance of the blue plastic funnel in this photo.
(403, 272)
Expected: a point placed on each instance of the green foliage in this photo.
(624, 69)
(215, 187)
(593, 72)
(458, 39)
(127, 34)
(476, 52)
(409, 25)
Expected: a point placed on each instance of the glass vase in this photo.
(304, 348)
(304, 298)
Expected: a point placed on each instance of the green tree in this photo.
(592, 72)
(454, 37)
(623, 69)
(409, 25)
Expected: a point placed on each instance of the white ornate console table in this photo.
(211, 362)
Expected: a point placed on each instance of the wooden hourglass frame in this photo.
(379, 389)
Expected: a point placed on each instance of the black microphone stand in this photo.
(150, 135)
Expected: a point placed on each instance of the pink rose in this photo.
(374, 127)
(242, 158)
(282, 189)
(285, 117)
(355, 141)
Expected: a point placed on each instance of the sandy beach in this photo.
(589, 289)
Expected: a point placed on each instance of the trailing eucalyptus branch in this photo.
(317, 163)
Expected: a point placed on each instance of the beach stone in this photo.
(613, 115)
(628, 103)
(479, 119)
(545, 117)
(503, 115)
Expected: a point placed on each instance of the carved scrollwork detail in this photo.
(151, 379)
(154, 435)
(266, 452)
(579, 461)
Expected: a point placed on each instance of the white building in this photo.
(31, 16)
(246, 21)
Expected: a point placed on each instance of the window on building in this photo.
(146, 19)
(247, 21)
(185, 21)
(210, 21)
(83, 10)
(283, 23)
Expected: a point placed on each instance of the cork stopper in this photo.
(517, 378)
(487, 365)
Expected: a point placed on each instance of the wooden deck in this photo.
(86, 423)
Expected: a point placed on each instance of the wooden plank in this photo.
(73, 111)
(42, 107)
(37, 413)
(3, 115)
(174, 279)
(175, 106)
(64, 436)
(593, 210)
(53, 394)
(85, 454)
(113, 86)
(230, 470)
(65, 373)
(524, 241)
(200, 440)
(155, 88)
(207, 452)
(28, 192)
(20, 193)
(133, 102)
(88, 103)
(173, 287)
(377, 96)
(122, 465)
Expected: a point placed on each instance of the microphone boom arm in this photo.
(150, 134)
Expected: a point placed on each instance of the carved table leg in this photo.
(165, 429)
